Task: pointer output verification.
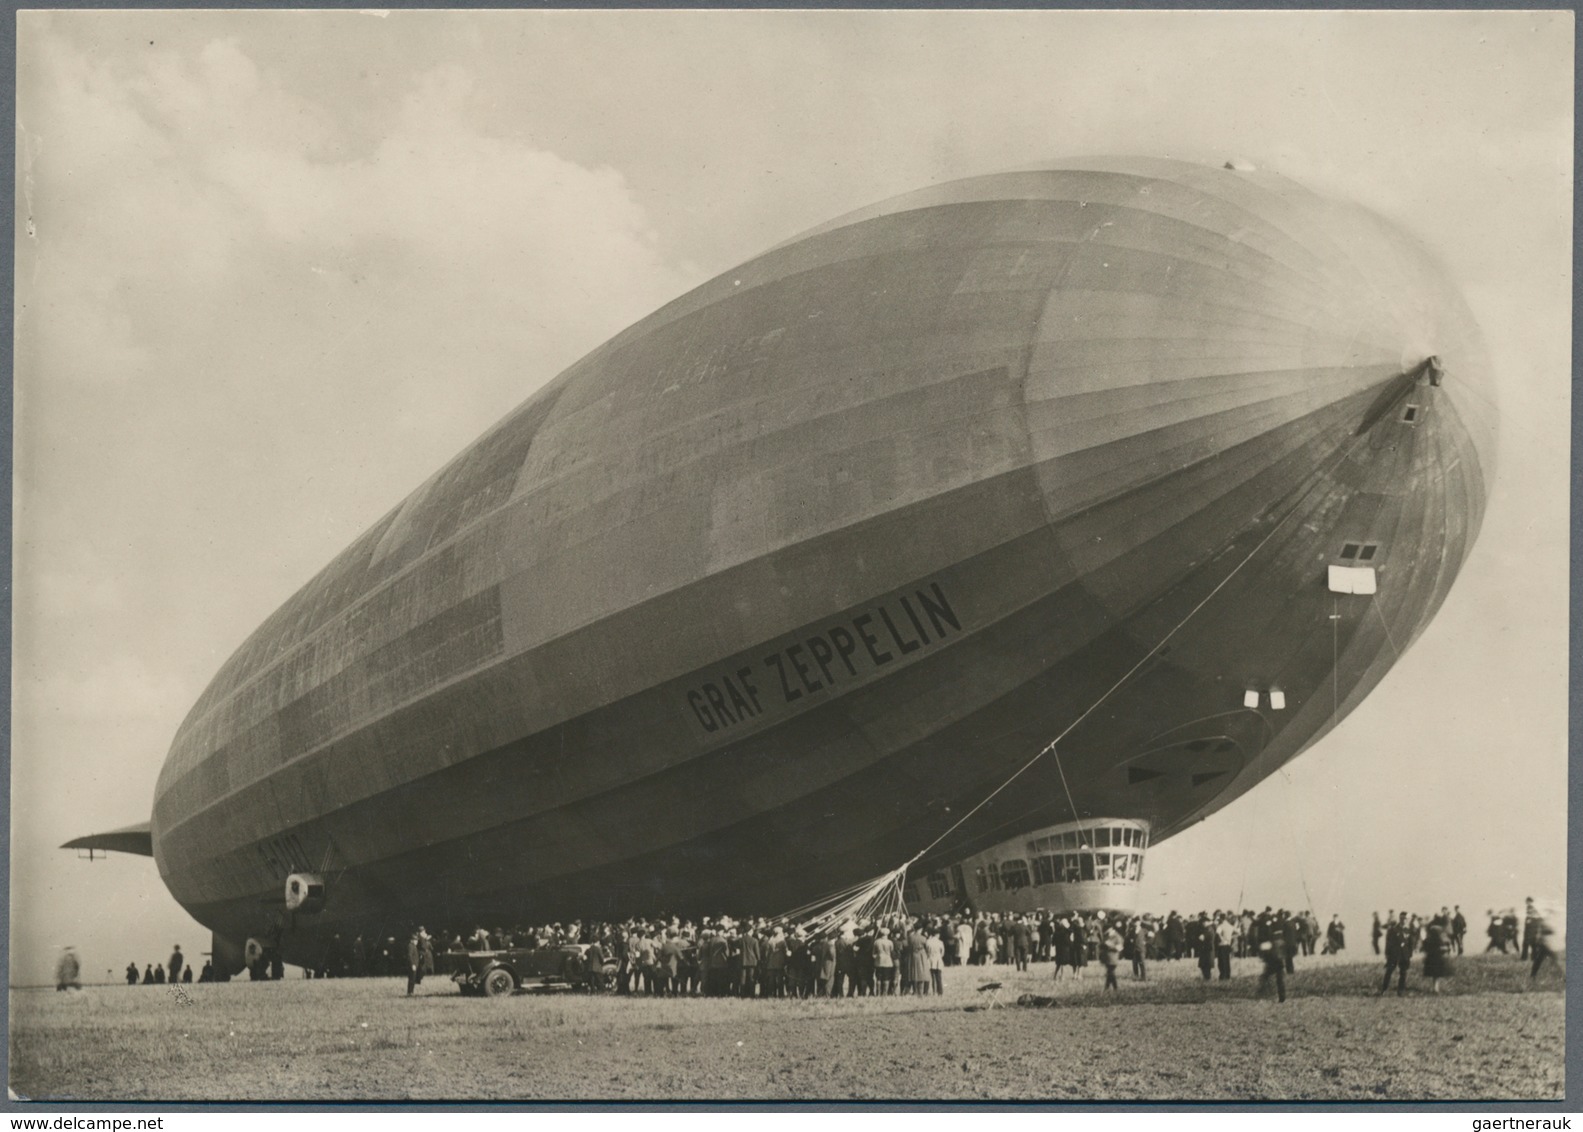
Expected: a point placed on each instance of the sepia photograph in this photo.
(764, 555)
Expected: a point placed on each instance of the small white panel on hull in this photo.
(1352, 580)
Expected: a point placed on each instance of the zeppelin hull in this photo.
(764, 595)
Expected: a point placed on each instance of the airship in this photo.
(1001, 529)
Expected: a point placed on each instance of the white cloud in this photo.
(166, 185)
(246, 329)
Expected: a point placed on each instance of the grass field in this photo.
(1488, 1036)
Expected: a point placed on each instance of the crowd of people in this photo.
(892, 954)
(901, 954)
(177, 970)
(676, 954)
(1439, 938)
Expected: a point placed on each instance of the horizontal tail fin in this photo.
(137, 838)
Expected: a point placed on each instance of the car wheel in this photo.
(499, 982)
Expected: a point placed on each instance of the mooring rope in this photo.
(893, 880)
(1386, 625)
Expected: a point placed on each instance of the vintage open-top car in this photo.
(496, 973)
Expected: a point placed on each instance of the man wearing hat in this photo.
(752, 949)
(1204, 945)
(1398, 953)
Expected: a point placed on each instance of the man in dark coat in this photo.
(846, 965)
(177, 962)
(1175, 936)
(1204, 946)
(414, 963)
(1021, 942)
(1136, 946)
(1459, 928)
(752, 952)
(1079, 943)
(1061, 945)
(719, 965)
(1509, 929)
(1539, 946)
(1398, 954)
(669, 961)
(1496, 934)
(131, 974)
(1273, 952)
(594, 966)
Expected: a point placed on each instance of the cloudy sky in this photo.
(273, 268)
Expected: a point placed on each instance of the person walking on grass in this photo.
(1273, 952)
(1398, 954)
(1204, 946)
(1438, 947)
(414, 962)
(1079, 945)
(1110, 945)
(1138, 937)
(68, 970)
(1540, 949)
(1021, 942)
